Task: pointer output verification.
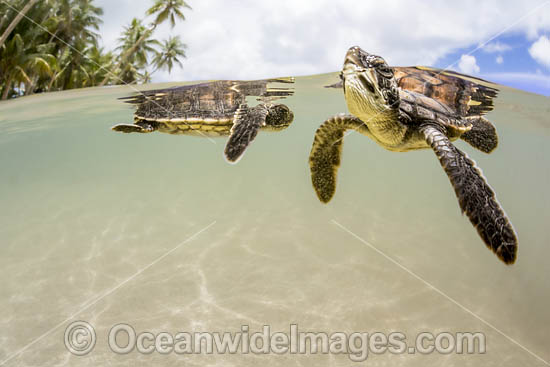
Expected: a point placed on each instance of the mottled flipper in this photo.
(246, 123)
(482, 136)
(324, 158)
(132, 128)
(474, 195)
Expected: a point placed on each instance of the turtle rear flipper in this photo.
(474, 195)
(324, 158)
(482, 136)
(246, 123)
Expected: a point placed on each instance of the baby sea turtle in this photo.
(405, 109)
(212, 109)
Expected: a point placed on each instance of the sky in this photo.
(503, 41)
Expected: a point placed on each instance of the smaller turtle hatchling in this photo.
(213, 109)
(411, 108)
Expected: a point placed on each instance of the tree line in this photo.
(51, 45)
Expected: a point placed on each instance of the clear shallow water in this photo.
(84, 209)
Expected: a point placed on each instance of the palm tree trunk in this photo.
(130, 52)
(7, 87)
(52, 80)
(16, 21)
(29, 87)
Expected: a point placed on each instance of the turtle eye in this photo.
(341, 76)
(365, 60)
(378, 62)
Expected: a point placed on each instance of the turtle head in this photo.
(279, 117)
(369, 83)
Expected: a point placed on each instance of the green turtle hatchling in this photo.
(410, 108)
(212, 109)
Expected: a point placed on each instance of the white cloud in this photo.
(246, 39)
(468, 64)
(497, 46)
(540, 51)
(499, 60)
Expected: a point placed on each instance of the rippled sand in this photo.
(95, 226)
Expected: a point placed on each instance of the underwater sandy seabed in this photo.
(84, 209)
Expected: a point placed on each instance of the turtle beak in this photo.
(354, 64)
(353, 57)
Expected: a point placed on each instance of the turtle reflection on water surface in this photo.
(213, 109)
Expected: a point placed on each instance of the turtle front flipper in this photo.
(246, 123)
(324, 158)
(139, 127)
(474, 195)
(482, 135)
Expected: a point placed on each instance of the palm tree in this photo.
(62, 63)
(164, 9)
(97, 65)
(16, 21)
(16, 62)
(74, 20)
(72, 26)
(145, 77)
(13, 56)
(128, 71)
(41, 66)
(53, 44)
(168, 9)
(171, 50)
(24, 56)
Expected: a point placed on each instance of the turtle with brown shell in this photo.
(411, 108)
(212, 109)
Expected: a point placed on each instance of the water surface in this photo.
(85, 209)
